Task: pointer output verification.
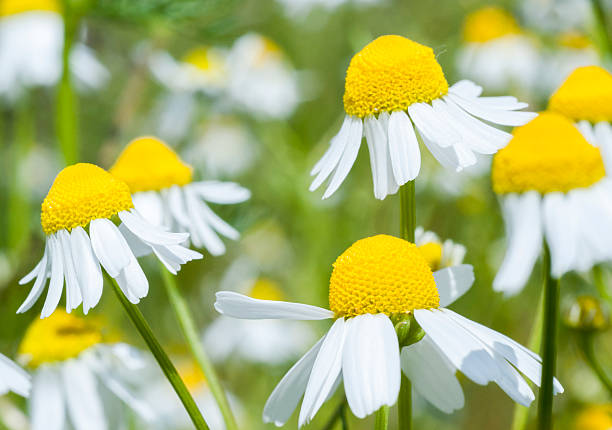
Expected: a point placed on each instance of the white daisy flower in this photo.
(84, 196)
(395, 88)
(552, 16)
(13, 378)
(553, 187)
(265, 342)
(74, 371)
(31, 45)
(438, 254)
(377, 282)
(166, 195)
(261, 81)
(301, 8)
(496, 53)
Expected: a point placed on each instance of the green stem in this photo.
(404, 405)
(600, 283)
(521, 413)
(338, 415)
(190, 332)
(161, 357)
(407, 211)
(382, 418)
(602, 28)
(549, 344)
(66, 117)
(407, 227)
(588, 348)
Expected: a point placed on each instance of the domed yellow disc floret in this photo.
(487, 24)
(391, 73)
(381, 274)
(547, 154)
(585, 95)
(432, 252)
(596, 417)
(59, 337)
(148, 164)
(81, 193)
(13, 7)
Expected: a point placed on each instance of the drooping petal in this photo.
(221, 192)
(326, 165)
(73, 289)
(14, 377)
(47, 406)
(109, 245)
(82, 398)
(54, 293)
(41, 280)
(148, 232)
(376, 139)
(89, 272)
(240, 306)
(453, 282)
(403, 148)
(560, 231)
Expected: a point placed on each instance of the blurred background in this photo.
(251, 91)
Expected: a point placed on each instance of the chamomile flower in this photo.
(586, 98)
(438, 254)
(395, 86)
(553, 187)
(261, 80)
(31, 44)
(74, 370)
(165, 193)
(267, 342)
(84, 196)
(496, 52)
(13, 378)
(376, 282)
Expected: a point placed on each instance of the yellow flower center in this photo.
(13, 7)
(487, 24)
(547, 154)
(148, 164)
(203, 58)
(266, 289)
(574, 40)
(391, 73)
(598, 417)
(81, 193)
(585, 95)
(381, 274)
(432, 252)
(59, 337)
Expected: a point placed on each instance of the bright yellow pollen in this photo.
(148, 164)
(81, 193)
(13, 7)
(574, 40)
(266, 289)
(381, 274)
(59, 337)
(432, 252)
(487, 24)
(585, 95)
(547, 154)
(391, 73)
(597, 417)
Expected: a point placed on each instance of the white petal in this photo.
(560, 232)
(370, 364)
(287, 394)
(177, 205)
(137, 246)
(403, 148)
(453, 282)
(39, 284)
(466, 88)
(133, 281)
(148, 232)
(14, 377)
(355, 133)
(376, 139)
(89, 272)
(587, 132)
(173, 256)
(40, 266)
(447, 156)
(82, 398)
(432, 375)
(47, 408)
(239, 306)
(150, 205)
(54, 294)
(109, 245)
(201, 233)
(496, 116)
(431, 127)
(326, 368)
(522, 215)
(603, 137)
(326, 165)
(218, 224)
(73, 289)
(221, 192)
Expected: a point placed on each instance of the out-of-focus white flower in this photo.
(223, 147)
(267, 341)
(301, 8)
(261, 80)
(13, 378)
(31, 45)
(553, 16)
(438, 254)
(496, 53)
(74, 371)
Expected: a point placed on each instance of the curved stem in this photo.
(162, 359)
(588, 348)
(190, 332)
(549, 344)
(382, 418)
